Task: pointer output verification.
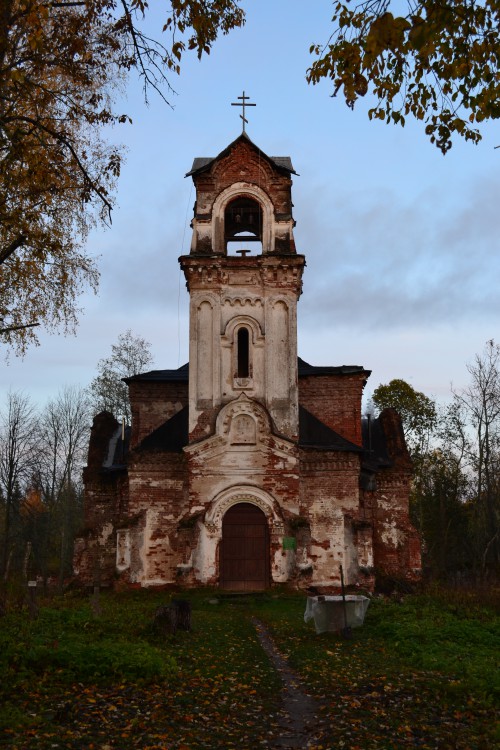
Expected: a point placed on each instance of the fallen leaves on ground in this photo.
(226, 693)
(194, 714)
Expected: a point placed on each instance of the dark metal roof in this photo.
(314, 434)
(171, 436)
(284, 162)
(203, 163)
(160, 376)
(199, 162)
(306, 369)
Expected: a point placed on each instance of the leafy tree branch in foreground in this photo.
(61, 65)
(437, 61)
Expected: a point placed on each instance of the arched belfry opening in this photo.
(243, 223)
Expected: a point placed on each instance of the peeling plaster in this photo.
(244, 426)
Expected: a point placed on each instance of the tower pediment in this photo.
(243, 427)
(202, 164)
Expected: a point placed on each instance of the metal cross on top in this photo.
(243, 104)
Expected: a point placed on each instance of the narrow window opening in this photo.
(243, 353)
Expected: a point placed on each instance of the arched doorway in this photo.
(244, 554)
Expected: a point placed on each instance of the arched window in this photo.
(242, 223)
(243, 353)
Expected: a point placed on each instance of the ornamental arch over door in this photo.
(244, 550)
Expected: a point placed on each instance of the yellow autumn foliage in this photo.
(439, 62)
(60, 65)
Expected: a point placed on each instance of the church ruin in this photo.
(248, 467)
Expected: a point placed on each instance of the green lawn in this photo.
(421, 673)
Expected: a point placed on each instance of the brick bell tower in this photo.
(243, 382)
(249, 467)
(243, 306)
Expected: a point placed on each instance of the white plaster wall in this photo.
(123, 550)
(205, 351)
(204, 354)
(205, 555)
(246, 312)
(350, 563)
(154, 553)
(281, 377)
(327, 543)
(390, 533)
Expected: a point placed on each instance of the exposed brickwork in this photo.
(153, 404)
(106, 499)
(396, 544)
(336, 401)
(257, 177)
(243, 163)
(205, 425)
(159, 520)
(165, 498)
(103, 428)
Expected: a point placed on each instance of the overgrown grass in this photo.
(68, 641)
(420, 667)
(62, 671)
(71, 679)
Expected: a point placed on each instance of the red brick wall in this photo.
(158, 484)
(106, 499)
(158, 480)
(336, 401)
(205, 425)
(245, 164)
(103, 428)
(396, 543)
(152, 404)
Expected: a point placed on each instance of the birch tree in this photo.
(130, 356)
(19, 450)
(64, 435)
(61, 65)
(479, 405)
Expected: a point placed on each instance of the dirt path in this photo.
(298, 718)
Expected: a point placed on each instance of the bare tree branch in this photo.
(11, 249)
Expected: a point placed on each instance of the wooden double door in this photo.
(244, 554)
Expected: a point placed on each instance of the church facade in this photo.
(247, 467)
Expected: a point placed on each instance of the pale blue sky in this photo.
(401, 243)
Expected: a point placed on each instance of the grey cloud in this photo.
(138, 261)
(378, 261)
